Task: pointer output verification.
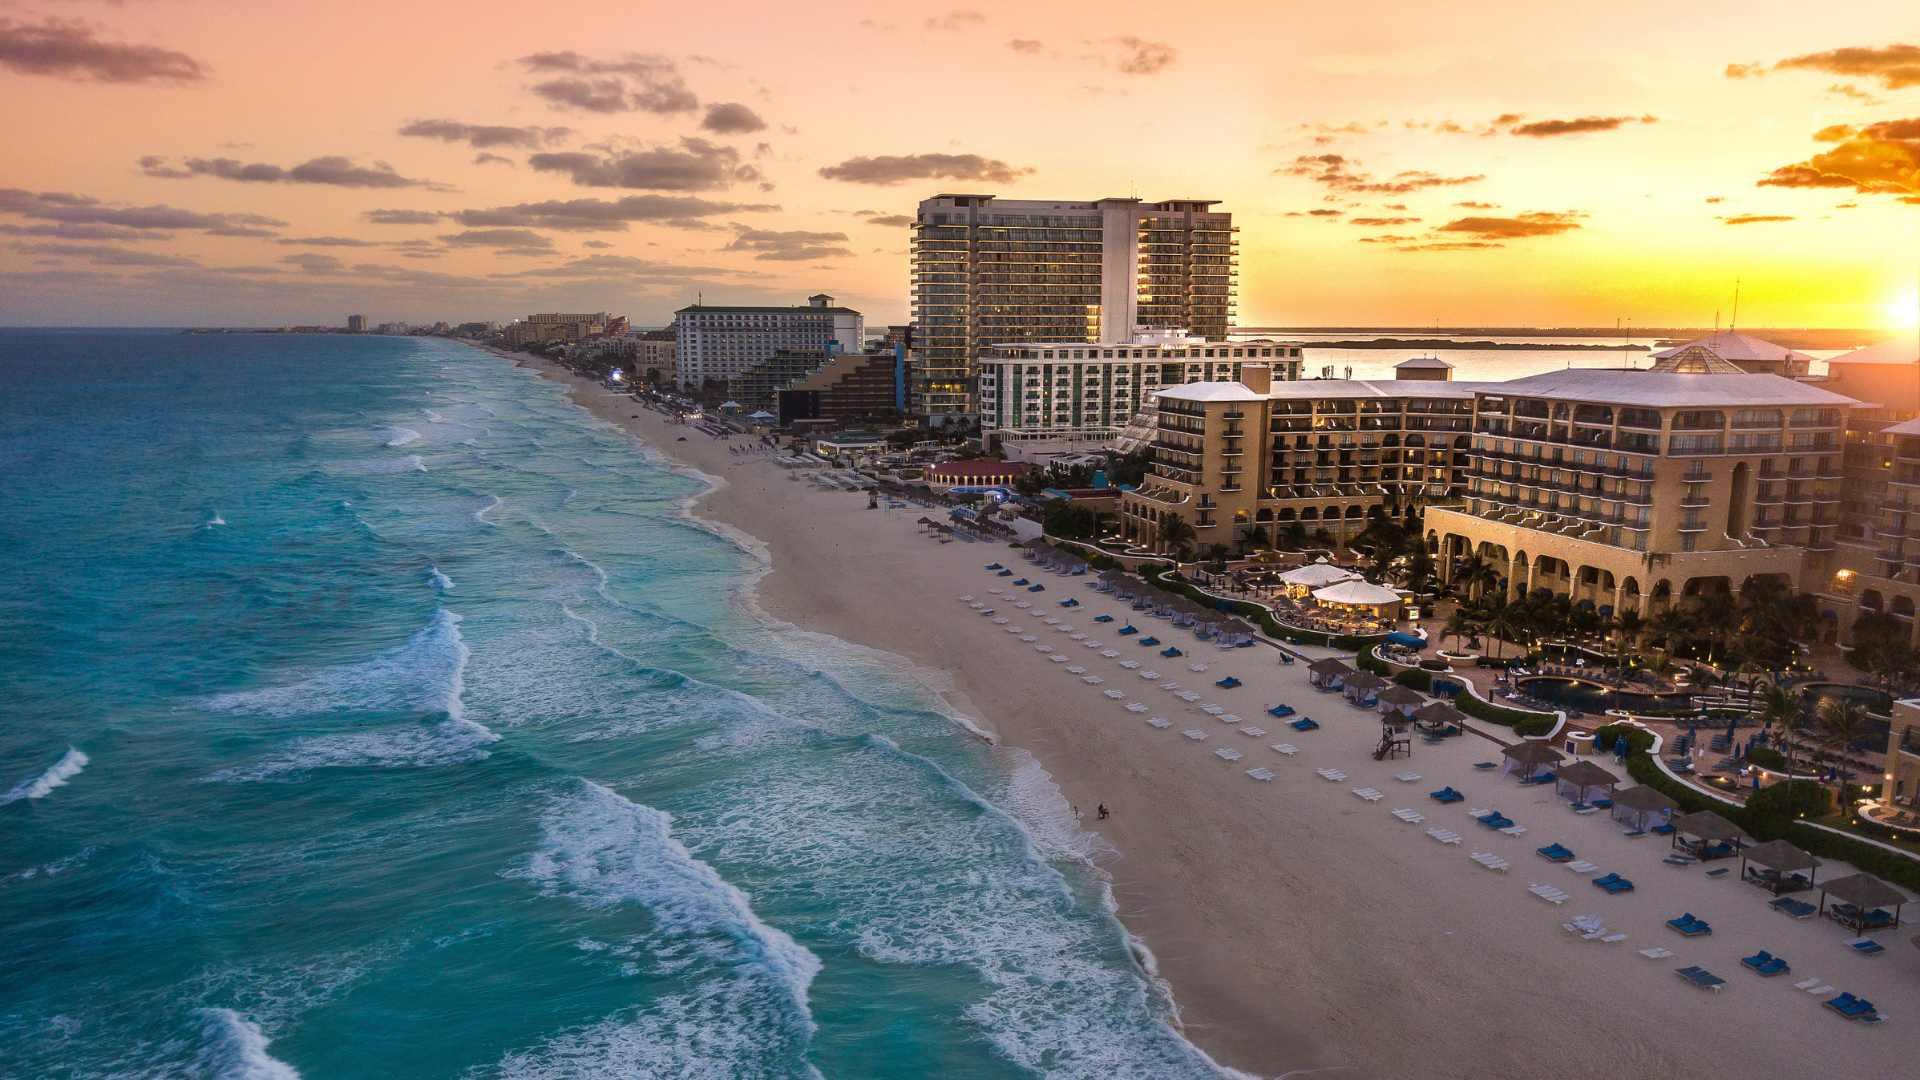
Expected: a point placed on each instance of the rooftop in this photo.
(728, 309)
(1212, 391)
(1655, 389)
(1735, 346)
(1424, 362)
(1904, 349)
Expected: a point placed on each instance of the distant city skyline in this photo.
(1505, 165)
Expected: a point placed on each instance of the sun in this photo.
(1904, 313)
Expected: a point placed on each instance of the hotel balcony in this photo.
(1692, 526)
(1700, 501)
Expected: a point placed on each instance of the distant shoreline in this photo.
(1439, 344)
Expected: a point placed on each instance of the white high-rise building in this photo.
(719, 342)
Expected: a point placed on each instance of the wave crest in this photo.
(56, 775)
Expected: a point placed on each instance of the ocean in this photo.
(370, 711)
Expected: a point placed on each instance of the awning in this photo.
(1646, 800)
(1585, 774)
(1708, 825)
(1329, 666)
(1864, 891)
(1534, 753)
(1364, 681)
(1358, 593)
(1440, 712)
(1317, 575)
(1399, 695)
(1782, 856)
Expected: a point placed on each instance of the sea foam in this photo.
(746, 1012)
(426, 675)
(238, 1050)
(400, 436)
(57, 775)
(437, 579)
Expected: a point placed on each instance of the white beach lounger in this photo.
(1286, 748)
(1023, 604)
(976, 604)
(1058, 658)
(1129, 664)
(1229, 718)
(1332, 775)
(1582, 867)
(1492, 861)
(1026, 637)
(1136, 707)
(1168, 685)
(1228, 753)
(1261, 774)
(1445, 836)
(1110, 654)
(1117, 695)
(1253, 731)
(1064, 628)
(1406, 777)
(1555, 896)
(1161, 722)
(1094, 680)
(1410, 816)
(1212, 710)
(1188, 695)
(1656, 954)
(1095, 645)
(1001, 621)
(1050, 620)
(996, 591)
(1043, 648)
(1478, 813)
(1612, 938)
(1149, 674)
(988, 611)
(1195, 734)
(1823, 988)
(1515, 830)
(1076, 669)
(1196, 667)
(1076, 637)
(1368, 794)
(966, 599)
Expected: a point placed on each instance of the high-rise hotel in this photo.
(991, 272)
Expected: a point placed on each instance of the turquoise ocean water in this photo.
(368, 711)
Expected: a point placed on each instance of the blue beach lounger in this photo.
(1036, 588)
(1765, 963)
(1701, 977)
(1483, 766)
(1305, 723)
(1149, 641)
(1614, 883)
(1446, 795)
(1070, 602)
(1688, 926)
(1103, 618)
(1799, 909)
(1128, 629)
(1280, 712)
(1171, 651)
(1228, 683)
(1004, 573)
(1022, 581)
(1555, 853)
(1866, 946)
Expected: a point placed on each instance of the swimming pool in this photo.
(1591, 698)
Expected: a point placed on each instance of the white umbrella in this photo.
(1357, 593)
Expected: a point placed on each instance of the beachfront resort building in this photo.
(1046, 392)
(1246, 462)
(720, 342)
(988, 271)
(556, 327)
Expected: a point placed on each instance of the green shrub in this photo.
(1416, 679)
(1534, 725)
(1788, 800)
(1434, 664)
(1491, 713)
(1767, 758)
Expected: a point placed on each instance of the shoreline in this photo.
(1294, 927)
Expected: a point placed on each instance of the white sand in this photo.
(1300, 926)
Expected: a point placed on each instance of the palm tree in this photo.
(1630, 625)
(1501, 620)
(1459, 624)
(1475, 575)
(1177, 535)
(1418, 572)
(1781, 707)
(1845, 720)
(1669, 625)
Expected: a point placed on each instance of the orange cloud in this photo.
(1882, 158)
(1753, 219)
(1538, 223)
(890, 169)
(69, 50)
(1896, 66)
(1541, 129)
(1331, 170)
(1378, 221)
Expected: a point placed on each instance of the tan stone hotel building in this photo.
(1619, 488)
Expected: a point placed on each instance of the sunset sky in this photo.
(185, 162)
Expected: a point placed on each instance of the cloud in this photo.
(334, 171)
(315, 263)
(956, 20)
(1387, 238)
(595, 244)
(788, 246)
(1717, 199)
(625, 267)
(484, 158)
(486, 136)
(891, 221)
(1477, 205)
(898, 169)
(1752, 219)
(732, 118)
(1896, 66)
(1539, 223)
(1379, 221)
(85, 210)
(634, 83)
(600, 215)
(67, 231)
(1882, 158)
(1331, 170)
(1542, 129)
(102, 255)
(508, 241)
(1451, 245)
(1745, 71)
(69, 50)
(1854, 92)
(1326, 213)
(403, 217)
(326, 241)
(1142, 57)
(1029, 46)
(696, 165)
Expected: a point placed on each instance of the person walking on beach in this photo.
(1103, 811)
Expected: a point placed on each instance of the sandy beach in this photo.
(1300, 926)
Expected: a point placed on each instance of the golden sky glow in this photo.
(1496, 163)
